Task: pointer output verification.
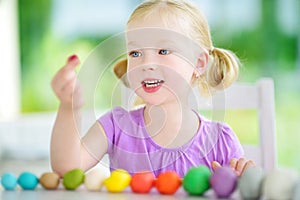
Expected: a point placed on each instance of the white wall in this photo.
(9, 61)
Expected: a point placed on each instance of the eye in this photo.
(163, 52)
(135, 54)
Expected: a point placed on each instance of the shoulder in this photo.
(216, 126)
(221, 133)
(211, 126)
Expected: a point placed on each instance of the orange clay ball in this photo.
(142, 182)
(168, 182)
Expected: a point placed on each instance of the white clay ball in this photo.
(94, 179)
(279, 184)
(296, 195)
(250, 183)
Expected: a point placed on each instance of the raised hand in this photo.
(66, 86)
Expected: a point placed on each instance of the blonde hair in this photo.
(224, 66)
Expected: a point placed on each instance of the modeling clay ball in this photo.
(49, 180)
(279, 184)
(223, 181)
(168, 182)
(296, 195)
(142, 182)
(118, 181)
(94, 179)
(250, 183)
(196, 180)
(9, 181)
(73, 179)
(28, 181)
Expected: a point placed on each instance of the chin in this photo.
(154, 102)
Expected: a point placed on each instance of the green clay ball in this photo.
(73, 179)
(196, 180)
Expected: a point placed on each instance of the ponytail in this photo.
(223, 70)
(120, 69)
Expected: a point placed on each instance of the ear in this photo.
(202, 61)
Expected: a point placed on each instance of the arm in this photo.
(67, 149)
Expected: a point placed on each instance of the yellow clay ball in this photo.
(118, 181)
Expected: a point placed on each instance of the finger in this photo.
(65, 93)
(215, 165)
(77, 92)
(69, 87)
(233, 163)
(78, 88)
(72, 61)
(60, 80)
(249, 163)
(70, 65)
(240, 166)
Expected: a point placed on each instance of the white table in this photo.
(82, 194)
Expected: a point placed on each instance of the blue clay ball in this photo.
(28, 181)
(223, 181)
(9, 181)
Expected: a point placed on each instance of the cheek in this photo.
(180, 70)
(133, 76)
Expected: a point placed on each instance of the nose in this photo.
(149, 61)
(149, 67)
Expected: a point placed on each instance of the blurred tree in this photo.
(270, 33)
(279, 49)
(298, 39)
(34, 22)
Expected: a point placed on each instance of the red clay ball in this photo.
(142, 182)
(168, 182)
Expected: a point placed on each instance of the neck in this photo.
(167, 112)
(167, 116)
(170, 124)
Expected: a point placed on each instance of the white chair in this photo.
(258, 96)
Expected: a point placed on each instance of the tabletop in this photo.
(82, 193)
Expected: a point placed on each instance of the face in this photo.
(161, 61)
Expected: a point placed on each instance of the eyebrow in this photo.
(165, 42)
(132, 43)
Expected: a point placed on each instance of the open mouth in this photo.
(152, 85)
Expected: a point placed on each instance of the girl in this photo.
(169, 52)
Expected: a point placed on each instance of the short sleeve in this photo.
(229, 145)
(107, 123)
(118, 125)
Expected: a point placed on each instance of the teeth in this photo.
(152, 83)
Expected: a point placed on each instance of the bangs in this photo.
(170, 14)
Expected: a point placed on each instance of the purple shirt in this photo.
(130, 146)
